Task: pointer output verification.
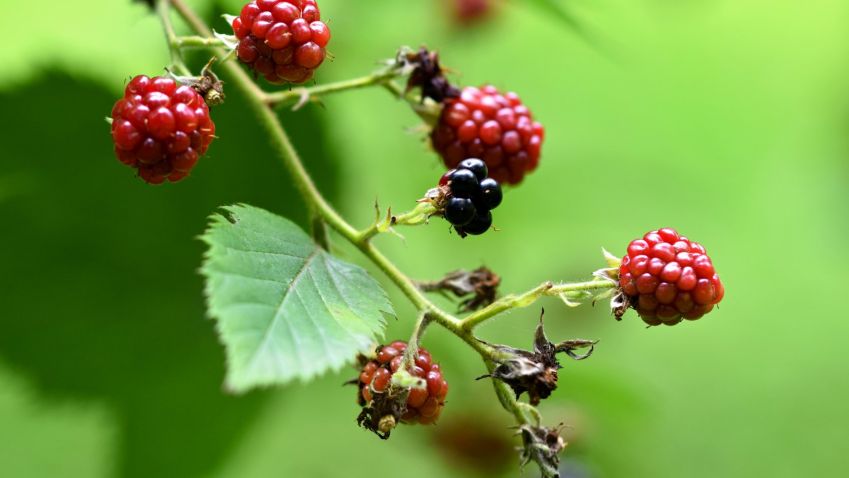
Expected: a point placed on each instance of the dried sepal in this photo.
(428, 74)
(536, 372)
(619, 304)
(207, 84)
(542, 445)
(383, 413)
(478, 288)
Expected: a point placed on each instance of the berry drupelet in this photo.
(161, 128)
(423, 405)
(666, 277)
(282, 40)
(498, 128)
(470, 196)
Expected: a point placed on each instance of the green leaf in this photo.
(286, 309)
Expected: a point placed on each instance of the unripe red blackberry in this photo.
(469, 11)
(282, 40)
(161, 128)
(666, 277)
(498, 128)
(423, 405)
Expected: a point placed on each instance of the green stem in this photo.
(197, 42)
(177, 61)
(427, 110)
(528, 298)
(419, 215)
(508, 400)
(303, 94)
(415, 340)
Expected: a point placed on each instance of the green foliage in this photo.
(286, 309)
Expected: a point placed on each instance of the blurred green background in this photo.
(728, 119)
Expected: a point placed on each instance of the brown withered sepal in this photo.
(429, 75)
(208, 85)
(542, 445)
(384, 412)
(536, 372)
(478, 288)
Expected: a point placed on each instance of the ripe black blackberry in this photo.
(469, 197)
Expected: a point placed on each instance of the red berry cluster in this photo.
(161, 128)
(423, 405)
(282, 40)
(498, 128)
(667, 277)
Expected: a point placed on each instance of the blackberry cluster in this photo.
(161, 128)
(471, 196)
(667, 278)
(423, 405)
(498, 128)
(282, 40)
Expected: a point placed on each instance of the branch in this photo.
(177, 61)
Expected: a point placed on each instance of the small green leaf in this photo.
(286, 309)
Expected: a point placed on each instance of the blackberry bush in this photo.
(288, 309)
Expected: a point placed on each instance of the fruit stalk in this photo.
(197, 41)
(304, 94)
(528, 298)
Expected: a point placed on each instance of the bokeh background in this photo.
(728, 119)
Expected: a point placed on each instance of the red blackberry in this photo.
(469, 197)
(282, 40)
(498, 128)
(666, 277)
(469, 11)
(423, 405)
(161, 128)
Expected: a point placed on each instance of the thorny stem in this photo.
(263, 103)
